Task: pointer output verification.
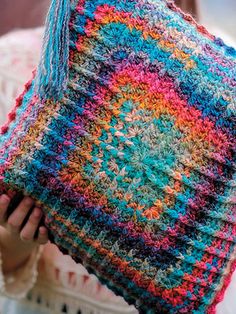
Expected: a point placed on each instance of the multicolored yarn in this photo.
(135, 165)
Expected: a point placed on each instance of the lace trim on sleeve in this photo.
(18, 283)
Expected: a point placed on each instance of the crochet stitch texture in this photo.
(135, 164)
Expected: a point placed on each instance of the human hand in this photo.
(16, 225)
(20, 231)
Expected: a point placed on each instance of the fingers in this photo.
(4, 203)
(28, 232)
(11, 193)
(22, 223)
(43, 235)
(18, 216)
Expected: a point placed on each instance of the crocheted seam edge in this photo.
(200, 27)
(220, 294)
(18, 103)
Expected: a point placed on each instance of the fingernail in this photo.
(37, 212)
(28, 200)
(43, 230)
(4, 199)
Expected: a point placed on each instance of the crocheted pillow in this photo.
(126, 136)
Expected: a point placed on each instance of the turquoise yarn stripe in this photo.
(52, 74)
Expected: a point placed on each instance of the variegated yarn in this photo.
(130, 148)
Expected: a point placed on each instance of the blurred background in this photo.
(21, 33)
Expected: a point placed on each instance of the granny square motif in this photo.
(126, 137)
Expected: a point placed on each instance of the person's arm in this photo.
(17, 240)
